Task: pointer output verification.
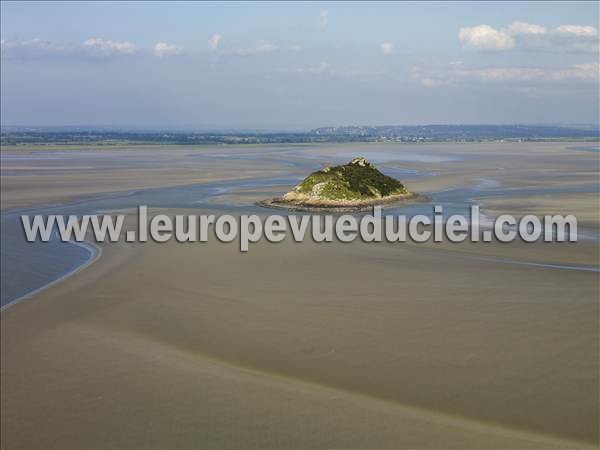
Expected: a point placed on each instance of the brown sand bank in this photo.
(302, 345)
(314, 345)
(28, 179)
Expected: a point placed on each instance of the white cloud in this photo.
(324, 18)
(102, 47)
(296, 48)
(32, 43)
(162, 49)
(215, 44)
(454, 74)
(529, 36)
(584, 72)
(523, 28)
(30, 49)
(484, 37)
(90, 48)
(587, 71)
(214, 41)
(578, 30)
(387, 48)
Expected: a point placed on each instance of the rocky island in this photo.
(352, 187)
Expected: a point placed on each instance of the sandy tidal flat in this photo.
(316, 345)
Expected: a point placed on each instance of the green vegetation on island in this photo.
(353, 186)
(357, 180)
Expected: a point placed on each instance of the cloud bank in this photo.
(484, 37)
(162, 49)
(528, 36)
(457, 73)
(90, 48)
(104, 47)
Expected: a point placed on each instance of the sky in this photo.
(296, 66)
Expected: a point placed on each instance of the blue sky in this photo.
(298, 65)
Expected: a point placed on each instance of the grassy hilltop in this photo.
(358, 180)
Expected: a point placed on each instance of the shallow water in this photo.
(586, 149)
(28, 267)
(379, 157)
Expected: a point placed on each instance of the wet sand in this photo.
(317, 345)
(308, 346)
(33, 176)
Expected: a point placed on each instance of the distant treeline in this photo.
(463, 132)
(427, 133)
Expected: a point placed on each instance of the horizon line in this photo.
(291, 129)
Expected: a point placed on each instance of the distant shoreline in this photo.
(15, 136)
(259, 142)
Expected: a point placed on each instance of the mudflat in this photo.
(333, 345)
